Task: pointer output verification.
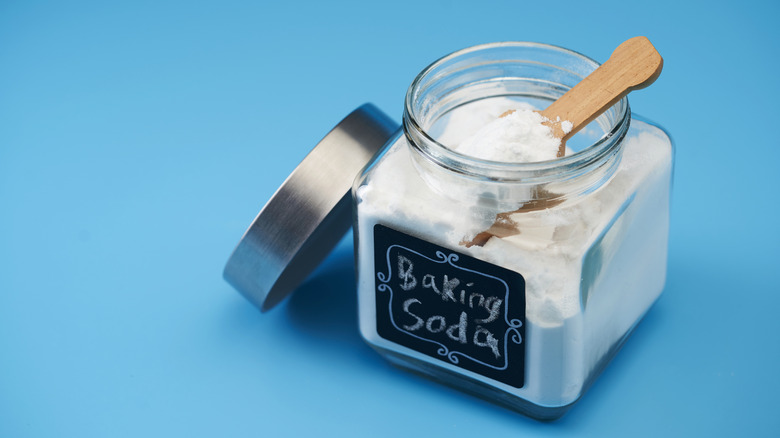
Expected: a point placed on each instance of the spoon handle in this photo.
(633, 65)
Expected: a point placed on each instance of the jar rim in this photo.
(539, 171)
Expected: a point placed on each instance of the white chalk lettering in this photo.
(428, 283)
(474, 295)
(490, 340)
(448, 286)
(476, 311)
(463, 293)
(405, 267)
(419, 322)
(461, 329)
(457, 332)
(492, 305)
(441, 324)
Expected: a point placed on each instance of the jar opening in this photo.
(519, 73)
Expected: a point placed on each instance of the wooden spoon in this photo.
(634, 64)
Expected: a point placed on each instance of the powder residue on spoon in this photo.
(518, 137)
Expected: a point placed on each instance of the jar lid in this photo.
(308, 215)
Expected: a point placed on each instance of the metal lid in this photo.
(309, 213)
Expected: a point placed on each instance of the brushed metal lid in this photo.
(308, 215)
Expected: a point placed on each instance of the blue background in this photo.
(139, 139)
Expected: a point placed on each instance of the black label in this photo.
(450, 306)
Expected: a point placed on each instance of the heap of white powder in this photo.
(565, 343)
(518, 137)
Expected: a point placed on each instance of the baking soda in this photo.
(517, 137)
(592, 265)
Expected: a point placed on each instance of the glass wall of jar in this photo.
(516, 282)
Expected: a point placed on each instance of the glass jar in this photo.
(517, 282)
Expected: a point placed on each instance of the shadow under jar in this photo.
(530, 319)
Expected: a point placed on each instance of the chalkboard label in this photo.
(450, 306)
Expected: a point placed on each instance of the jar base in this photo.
(473, 387)
(493, 395)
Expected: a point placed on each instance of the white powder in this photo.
(592, 266)
(518, 137)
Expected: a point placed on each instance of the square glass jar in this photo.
(517, 282)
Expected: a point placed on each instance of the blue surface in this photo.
(138, 140)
